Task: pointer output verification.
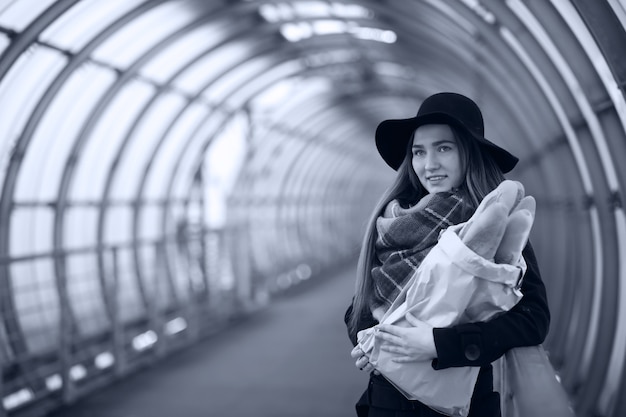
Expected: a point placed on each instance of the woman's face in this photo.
(437, 158)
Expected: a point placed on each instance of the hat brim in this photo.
(392, 139)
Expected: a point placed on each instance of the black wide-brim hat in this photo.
(392, 136)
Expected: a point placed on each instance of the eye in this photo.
(419, 152)
(444, 148)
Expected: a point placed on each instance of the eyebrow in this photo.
(439, 142)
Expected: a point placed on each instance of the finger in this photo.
(393, 349)
(414, 321)
(390, 328)
(362, 361)
(357, 352)
(368, 368)
(387, 337)
(402, 359)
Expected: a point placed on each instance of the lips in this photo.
(435, 178)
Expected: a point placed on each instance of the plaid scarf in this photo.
(405, 236)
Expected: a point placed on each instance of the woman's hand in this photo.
(362, 361)
(414, 343)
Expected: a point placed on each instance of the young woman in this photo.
(439, 153)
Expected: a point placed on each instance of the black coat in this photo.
(481, 343)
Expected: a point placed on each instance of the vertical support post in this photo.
(119, 344)
(2, 359)
(154, 317)
(234, 244)
(66, 331)
(243, 270)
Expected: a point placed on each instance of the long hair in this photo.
(482, 175)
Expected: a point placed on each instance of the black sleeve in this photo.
(478, 344)
(366, 321)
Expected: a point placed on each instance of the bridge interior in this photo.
(170, 169)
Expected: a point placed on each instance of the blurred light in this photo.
(78, 372)
(325, 58)
(283, 281)
(350, 11)
(176, 325)
(391, 69)
(17, 398)
(373, 34)
(303, 271)
(275, 12)
(278, 12)
(104, 360)
(480, 10)
(145, 340)
(329, 27)
(54, 382)
(311, 9)
(295, 32)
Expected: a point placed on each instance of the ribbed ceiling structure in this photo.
(167, 160)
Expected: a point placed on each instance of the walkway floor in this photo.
(292, 359)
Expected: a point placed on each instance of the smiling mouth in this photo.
(436, 178)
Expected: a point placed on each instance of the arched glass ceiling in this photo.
(160, 158)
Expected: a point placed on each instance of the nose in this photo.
(432, 161)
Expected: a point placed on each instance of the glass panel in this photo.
(155, 277)
(170, 163)
(221, 168)
(21, 90)
(274, 181)
(262, 235)
(31, 231)
(80, 227)
(150, 223)
(85, 294)
(261, 149)
(36, 303)
(275, 96)
(118, 225)
(303, 93)
(102, 145)
(301, 116)
(130, 302)
(146, 136)
(19, 14)
(141, 34)
(4, 42)
(80, 24)
(53, 138)
(180, 271)
(164, 161)
(177, 55)
(253, 78)
(218, 61)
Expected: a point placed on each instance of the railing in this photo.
(528, 385)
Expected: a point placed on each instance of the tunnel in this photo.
(169, 167)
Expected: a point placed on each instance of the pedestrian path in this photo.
(291, 359)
